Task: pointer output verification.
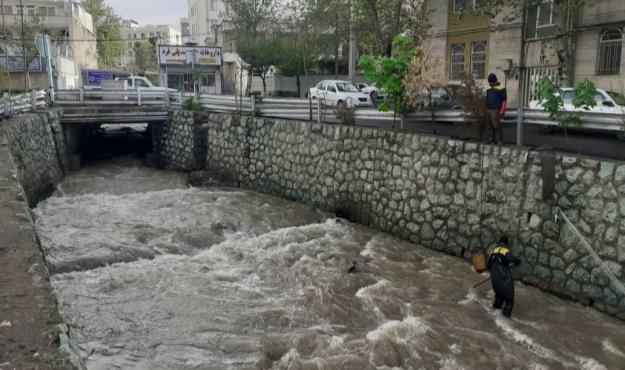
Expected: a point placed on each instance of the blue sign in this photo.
(16, 64)
(95, 77)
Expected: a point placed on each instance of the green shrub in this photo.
(191, 104)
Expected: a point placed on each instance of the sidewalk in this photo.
(28, 312)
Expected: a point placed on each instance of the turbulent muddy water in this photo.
(153, 274)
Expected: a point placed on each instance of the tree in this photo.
(296, 57)
(24, 46)
(260, 53)
(145, 56)
(552, 101)
(421, 81)
(108, 32)
(389, 73)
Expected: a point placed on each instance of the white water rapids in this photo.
(152, 274)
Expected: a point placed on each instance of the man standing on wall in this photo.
(496, 105)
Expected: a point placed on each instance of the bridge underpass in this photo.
(109, 131)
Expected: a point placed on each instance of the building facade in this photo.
(204, 17)
(185, 30)
(521, 46)
(73, 37)
(155, 35)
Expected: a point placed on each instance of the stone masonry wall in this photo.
(181, 141)
(448, 195)
(38, 150)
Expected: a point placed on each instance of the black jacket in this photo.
(499, 264)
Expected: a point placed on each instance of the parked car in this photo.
(361, 85)
(374, 93)
(608, 102)
(339, 93)
(447, 97)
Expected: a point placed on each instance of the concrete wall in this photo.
(38, 150)
(444, 194)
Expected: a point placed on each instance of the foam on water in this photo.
(233, 280)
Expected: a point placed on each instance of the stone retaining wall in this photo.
(448, 195)
(39, 152)
(180, 143)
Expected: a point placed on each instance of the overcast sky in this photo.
(151, 11)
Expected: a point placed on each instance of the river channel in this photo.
(151, 273)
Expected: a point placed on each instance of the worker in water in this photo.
(496, 106)
(500, 262)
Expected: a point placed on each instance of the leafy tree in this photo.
(296, 57)
(145, 56)
(108, 32)
(552, 101)
(260, 53)
(248, 16)
(389, 73)
(24, 46)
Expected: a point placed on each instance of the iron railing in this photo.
(29, 102)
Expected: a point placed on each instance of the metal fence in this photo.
(29, 102)
(139, 97)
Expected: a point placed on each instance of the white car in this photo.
(374, 93)
(339, 93)
(608, 102)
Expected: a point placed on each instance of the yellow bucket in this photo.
(479, 261)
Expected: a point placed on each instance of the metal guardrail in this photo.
(139, 97)
(29, 102)
(311, 110)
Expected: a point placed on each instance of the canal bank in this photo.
(29, 319)
(163, 276)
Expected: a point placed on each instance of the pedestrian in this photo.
(496, 106)
(500, 262)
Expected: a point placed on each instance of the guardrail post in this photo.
(33, 100)
(167, 96)
(81, 92)
(519, 126)
(6, 100)
(253, 99)
(180, 98)
(138, 96)
(310, 106)
(318, 110)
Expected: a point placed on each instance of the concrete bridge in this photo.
(113, 114)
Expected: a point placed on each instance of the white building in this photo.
(204, 16)
(185, 30)
(73, 39)
(133, 33)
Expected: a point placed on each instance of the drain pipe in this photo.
(615, 281)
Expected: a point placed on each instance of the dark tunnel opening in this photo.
(107, 142)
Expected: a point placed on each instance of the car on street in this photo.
(338, 93)
(374, 93)
(447, 97)
(608, 102)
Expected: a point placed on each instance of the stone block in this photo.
(606, 171)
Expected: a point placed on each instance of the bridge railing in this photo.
(22, 103)
(139, 97)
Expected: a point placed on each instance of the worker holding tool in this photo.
(500, 261)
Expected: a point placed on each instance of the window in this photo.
(43, 11)
(8, 9)
(51, 11)
(213, 4)
(141, 83)
(610, 52)
(31, 10)
(478, 60)
(143, 35)
(600, 98)
(19, 10)
(460, 6)
(568, 95)
(544, 16)
(457, 61)
(130, 45)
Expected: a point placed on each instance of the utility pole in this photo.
(6, 46)
(352, 44)
(24, 47)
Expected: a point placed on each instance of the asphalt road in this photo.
(599, 144)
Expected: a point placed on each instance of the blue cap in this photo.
(492, 78)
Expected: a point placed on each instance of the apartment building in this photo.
(134, 33)
(522, 46)
(204, 17)
(185, 30)
(73, 37)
